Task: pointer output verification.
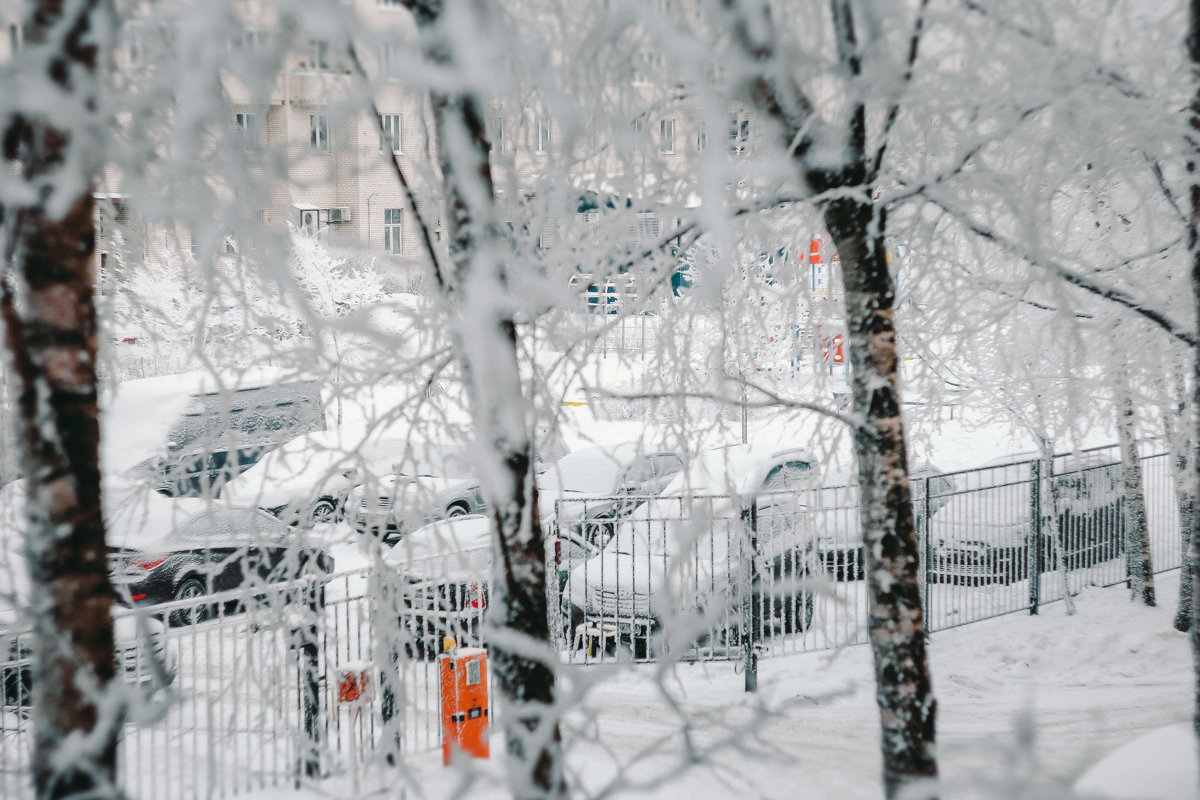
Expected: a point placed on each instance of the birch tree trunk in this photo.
(475, 287)
(1050, 525)
(50, 336)
(857, 226)
(1193, 54)
(1137, 542)
(1176, 430)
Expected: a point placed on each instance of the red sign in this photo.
(832, 350)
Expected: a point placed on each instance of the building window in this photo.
(639, 133)
(542, 135)
(666, 136)
(739, 134)
(392, 236)
(16, 37)
(249, 39)
(389, 59)
(318, 54)
(648, 226)
(701, 138)
(390, 4)
(318, 132)
(246, 125)
(390, 136)
(497, 132)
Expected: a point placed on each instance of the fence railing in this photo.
(669, 576)
(238, 691)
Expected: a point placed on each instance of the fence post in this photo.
(305, 635)
(1033, 549)
(926, 551)
(750, 611)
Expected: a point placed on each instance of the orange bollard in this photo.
(464, 692)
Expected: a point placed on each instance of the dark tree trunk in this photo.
(1193, 51)
(1137, 543)
(484, 333)
(50, 336)
(904, 690)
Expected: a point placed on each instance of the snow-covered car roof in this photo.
(306, 463)
(739, 469)
(592, 470)
(446, 547)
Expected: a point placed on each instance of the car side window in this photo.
(789, 476)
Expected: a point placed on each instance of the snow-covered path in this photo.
(1026, 705)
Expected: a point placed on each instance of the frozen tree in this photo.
(333, 289)
(834, 161)
(49, 319)
(474, 283)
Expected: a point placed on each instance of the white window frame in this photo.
(497, 127)
(702, 137)
(318, 55)
(541, 140)
(393, 231)
(318, 132)
(639, 136)
(391, 128)
(389, 57)
(397, 4)
(666, 136)
(739, 134)
(247, 125)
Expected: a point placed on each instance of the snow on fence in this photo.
(238, 691)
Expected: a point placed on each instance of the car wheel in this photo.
(456, 510)
(190, 588)
(322, 511)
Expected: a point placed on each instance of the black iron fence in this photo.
(246, 694)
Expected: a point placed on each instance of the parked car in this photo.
(432, 481)
(222, 429)
(426, 483)
(833, 513)
(686, 556)
(307, 480)
(594, 488)
(139, 643)
(172, 550)
(983, 534)
(440, 582)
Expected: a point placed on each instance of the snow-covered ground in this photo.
(1026, 706)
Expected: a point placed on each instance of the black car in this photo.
(193, 549)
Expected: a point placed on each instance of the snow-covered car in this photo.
(439, 586)
(983, 534)
(139, 642)
(595, 487)
(307, 480)
(220, 426)
(428, 482)
(163, 550)
(833, 514)
(734, 518)
(433, 481)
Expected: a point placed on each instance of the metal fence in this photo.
(685, 577)
(241, 691)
